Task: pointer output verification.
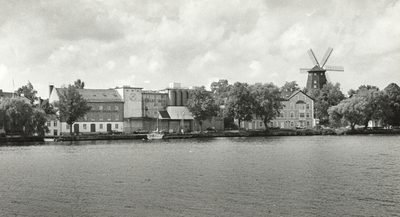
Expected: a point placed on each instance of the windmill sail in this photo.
(334, 68)
(304, 70)
(326, 57)
(312, 57)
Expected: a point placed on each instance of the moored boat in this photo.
(155, 135)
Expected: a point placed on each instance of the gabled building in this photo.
(107, 112)
(297, 112)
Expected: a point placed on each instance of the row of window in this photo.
(101, 126)
(293, 115)
(49, 123)
(299, 106)
(101, 117)
(109, 108)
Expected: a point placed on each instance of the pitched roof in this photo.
(99, 95)
(317, 69)
(286, 95)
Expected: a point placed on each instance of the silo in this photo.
(178, 98)
(184, 97)
(171, 96)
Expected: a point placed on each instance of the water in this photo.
(272, 176)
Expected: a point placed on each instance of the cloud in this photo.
(193, 42)
(110, 65)
(3, 71)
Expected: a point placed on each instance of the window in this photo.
(291, 114)
(281, 114)
(84, 126)
(48, 123)
(302, 115)
(55, 132)
(315, 86)
(116, 117)
(100, 117)
(292, 124)
(55, 123)
(261, 123)
(308, 123)
(315, 81)
(116, 126)
(67, 126)
(307, 115)
(308, 106)
(101, 126)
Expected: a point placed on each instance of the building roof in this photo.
(164, 115)
(99, 95)
(317, 69)
(286, 95)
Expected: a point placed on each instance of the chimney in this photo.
(51, 87)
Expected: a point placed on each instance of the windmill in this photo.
(316, 75)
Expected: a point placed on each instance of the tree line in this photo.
(239, 101)
(244, 102)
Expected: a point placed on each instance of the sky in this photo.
(151, 43)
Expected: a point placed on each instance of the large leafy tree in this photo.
(18, 116)
(365, 105)
(220, 90)
(329, 95)
(71, 105)
(267, 103)
(290, 86)
(79, 84)
(348, 111)
(393, 93)
(240, 102)
(202, 105)
(376, 105)
(28, 92)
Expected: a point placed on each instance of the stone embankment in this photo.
(205, 134)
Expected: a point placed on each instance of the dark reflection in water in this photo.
(271, 176)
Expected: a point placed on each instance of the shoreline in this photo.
(235, 133)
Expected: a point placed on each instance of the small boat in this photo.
(155, 135)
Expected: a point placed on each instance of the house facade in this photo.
(297, 112)
(106, 114)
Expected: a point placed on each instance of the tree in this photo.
(220, 90)
(28, 91)
(393, 93)
(362, 107)
(290, 86)
(348, 111)
(376, 105)
(329, 95)
(71, 105)
(267, 104)
(202, 105)
(79, 84)
(240, 102)
(20, 117)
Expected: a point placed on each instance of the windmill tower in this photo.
(316, 75)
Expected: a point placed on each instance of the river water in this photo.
(261, 176)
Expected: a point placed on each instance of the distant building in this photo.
(297, 112)
(107, 112)
(132, 108)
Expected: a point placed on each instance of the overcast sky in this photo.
(150, 43)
